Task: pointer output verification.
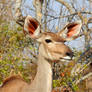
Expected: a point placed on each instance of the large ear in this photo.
(32, 27)
(71, 31)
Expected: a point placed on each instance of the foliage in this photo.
(12, 44)
(65, 79)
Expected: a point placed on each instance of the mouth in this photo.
(66, 59)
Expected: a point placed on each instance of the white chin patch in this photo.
(64, 60)
(67, 57)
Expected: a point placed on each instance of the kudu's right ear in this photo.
(32, 27)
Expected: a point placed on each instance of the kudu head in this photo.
(52, 45)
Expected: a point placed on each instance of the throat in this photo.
(43, 79)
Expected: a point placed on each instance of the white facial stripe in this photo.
(48, 37)
(58, 42)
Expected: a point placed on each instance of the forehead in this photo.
(53, 36)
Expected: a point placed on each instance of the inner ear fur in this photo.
(72, 29)
(32, 25)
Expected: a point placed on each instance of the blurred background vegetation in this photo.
(12, 55)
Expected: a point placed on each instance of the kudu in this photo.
(51, 48)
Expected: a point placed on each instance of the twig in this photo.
(83, 78)
(73, 14)
(18, 12)
(66, 5)
(79, 67)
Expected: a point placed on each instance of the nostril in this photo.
(70, 54)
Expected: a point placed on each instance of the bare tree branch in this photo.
(83, 78)
(66, 5)
(84, 60)
(38, 6)
(18, 12)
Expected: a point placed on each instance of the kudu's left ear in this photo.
(32, 27)
(71, 31)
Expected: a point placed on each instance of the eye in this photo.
(48, 40)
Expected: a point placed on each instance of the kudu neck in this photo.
(43, 79)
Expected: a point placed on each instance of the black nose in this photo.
(70, 54)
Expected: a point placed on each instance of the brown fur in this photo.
(11, 78)
(55, 37)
